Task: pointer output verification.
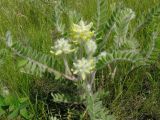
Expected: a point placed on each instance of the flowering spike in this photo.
(83, 67)
(82, 31)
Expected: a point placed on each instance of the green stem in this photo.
(67, 68)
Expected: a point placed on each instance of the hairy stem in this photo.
(67, 68)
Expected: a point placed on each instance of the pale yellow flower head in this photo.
(83, 67)
(82, 31)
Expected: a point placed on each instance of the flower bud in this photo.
(90, 47)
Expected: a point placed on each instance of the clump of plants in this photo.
(84, 48)
(12, 106)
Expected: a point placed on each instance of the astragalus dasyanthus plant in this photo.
(86, 48)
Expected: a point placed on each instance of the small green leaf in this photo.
(22, 100)
(22, 63)
(24, 113)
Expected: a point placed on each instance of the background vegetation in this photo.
(135, 96)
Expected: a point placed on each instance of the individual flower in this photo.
(82, 31)
(90, 47)
(83, 67)
(61, 46)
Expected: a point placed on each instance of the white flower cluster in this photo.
(83, 67)
(62, 46)
(82, 35)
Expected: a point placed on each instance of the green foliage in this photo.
(115, 56)
(33, 62)
(154, 49)
(59, 98)
(96, 109)
(152, 14)
(122, 28)
(2, 54)
(101, 15)
(14, 107)
(102, 25)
